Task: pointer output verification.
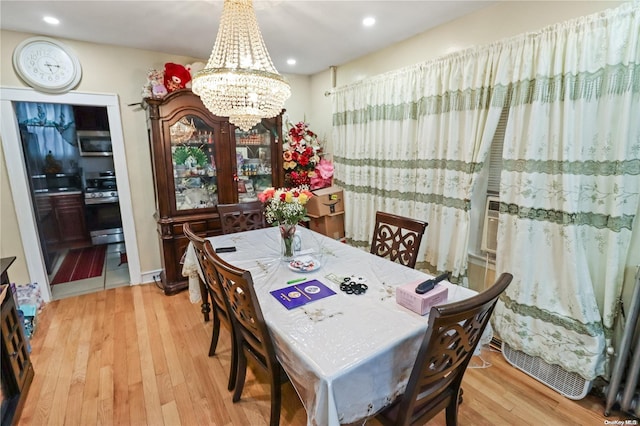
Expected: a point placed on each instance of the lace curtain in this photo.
(412, 142)
(47, 128)
(570, 185)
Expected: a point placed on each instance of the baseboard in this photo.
(148, 277)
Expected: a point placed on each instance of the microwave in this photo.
(94, 143)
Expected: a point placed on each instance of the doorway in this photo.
(69, 161)
(19, 179)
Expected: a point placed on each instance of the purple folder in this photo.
(302, 293)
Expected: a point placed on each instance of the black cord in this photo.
(155, 280)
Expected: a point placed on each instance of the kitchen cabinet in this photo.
(91, 117)
(200, 160)
(62, 219)
(17, 370)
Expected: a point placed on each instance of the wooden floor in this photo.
(132, 355)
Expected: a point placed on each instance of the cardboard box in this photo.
(326, 201)
(330, 225)
(421, 303)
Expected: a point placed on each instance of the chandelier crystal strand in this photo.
(240, 81)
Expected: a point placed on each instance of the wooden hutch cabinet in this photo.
(199, 161)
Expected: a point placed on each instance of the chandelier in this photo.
(240, 81)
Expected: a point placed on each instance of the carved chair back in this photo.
(452, 336)
(397, 238)
(241, 216)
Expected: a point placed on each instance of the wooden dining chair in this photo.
(251, 332)
(452, 336)
(241, 216)
(397, 238)
(217, 295)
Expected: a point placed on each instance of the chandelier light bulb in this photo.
(240, 80)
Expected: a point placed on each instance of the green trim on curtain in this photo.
(591, 329)
(594, 220)
(440, 199)
(588, 168)
(610, 80)
(455, 165)
(459, 100)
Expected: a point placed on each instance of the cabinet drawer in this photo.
(204, 228)
(43, 204)
(198, 226)
(69, 200)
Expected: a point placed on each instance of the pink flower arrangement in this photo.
(323, 174)
(303, 163)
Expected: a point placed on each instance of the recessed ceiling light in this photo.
(369, 21)
(291, 61)
(51, 20)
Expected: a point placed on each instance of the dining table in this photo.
(347, 354)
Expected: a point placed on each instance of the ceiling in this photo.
(318, 34)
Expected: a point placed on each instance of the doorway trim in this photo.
(18, 179)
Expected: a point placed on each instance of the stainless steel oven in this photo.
(102, 209)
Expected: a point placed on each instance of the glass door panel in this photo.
(194, 164)
(253, 162)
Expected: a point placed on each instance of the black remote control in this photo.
(225, 249)
(429, 284)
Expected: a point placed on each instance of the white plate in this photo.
(304, 264)
(312, 289)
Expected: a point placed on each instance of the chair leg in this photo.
(233, 369)
(276, 396)
(215, 334)
(452, 410)
(241, 373)
(452, 416)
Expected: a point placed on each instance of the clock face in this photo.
(47, 65)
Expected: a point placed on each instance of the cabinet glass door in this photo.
(253, 162)
(194, 164)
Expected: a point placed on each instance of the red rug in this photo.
(80, 264)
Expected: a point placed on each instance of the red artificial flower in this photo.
(303, 160)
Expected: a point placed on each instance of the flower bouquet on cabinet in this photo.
(304, 165)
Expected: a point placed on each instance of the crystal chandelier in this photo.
(240, 81)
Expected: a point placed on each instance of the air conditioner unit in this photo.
(568, 384)
(490, 229)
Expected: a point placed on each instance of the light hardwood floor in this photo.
(132, 355)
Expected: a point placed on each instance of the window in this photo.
(495, 153)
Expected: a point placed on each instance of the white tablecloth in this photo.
(346, 355)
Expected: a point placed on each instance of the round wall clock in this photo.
(47, 65)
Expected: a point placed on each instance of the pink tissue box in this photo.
(421, 303)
